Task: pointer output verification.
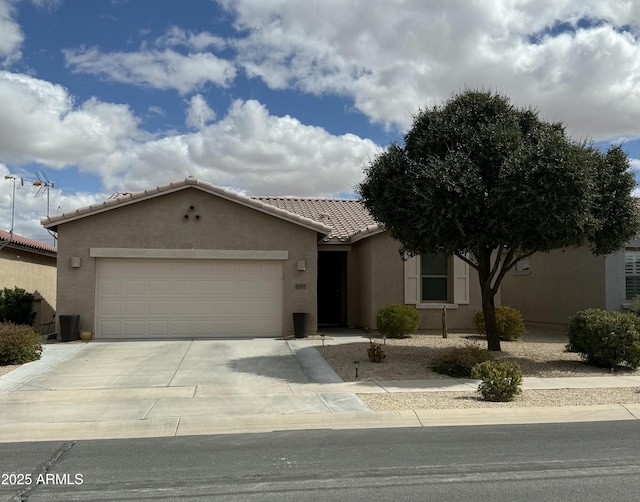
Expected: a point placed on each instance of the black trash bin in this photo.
(69, 327)
(301, 323)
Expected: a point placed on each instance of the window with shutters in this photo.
(632, 273)
(436, 281)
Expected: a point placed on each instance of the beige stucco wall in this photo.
(380, 282)
(36, 274)
(160, 223)
(558, 285)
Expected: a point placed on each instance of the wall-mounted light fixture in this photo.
(302, 265)
(75, 262)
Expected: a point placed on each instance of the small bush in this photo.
(16, 306)
(605, 339)
(501, 380)
(459, 361)
(509, 320)
(375, 352)
(397, 320)
(19, 344)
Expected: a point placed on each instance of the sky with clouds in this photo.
(281, 97)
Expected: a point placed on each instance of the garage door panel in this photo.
(201, 307)
(181, 327)
(181, 308)
(110, 307)
(157, 288)
(158, 328)
(138, 297)
(157, 307)
(109, 287)
(135, 308)
(134, 329)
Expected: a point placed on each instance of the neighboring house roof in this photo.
(348, 218)
(19, 242)
(127, 198)
(340, 220)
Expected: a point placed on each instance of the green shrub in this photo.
(19, 344)
(501, 380)
(375, 352)
(16, 306)
(397, 320)
(605, 339)
(509, 320)
(459, 361)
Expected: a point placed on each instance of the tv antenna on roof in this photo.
(43, 185)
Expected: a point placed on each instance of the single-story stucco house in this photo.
(31, 265)
(190, 259)
(549, 288)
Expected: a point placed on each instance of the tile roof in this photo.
(126, 198)
(18, 241)
(348, 218)
(340, 220)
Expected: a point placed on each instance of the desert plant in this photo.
(501, 380)
(509, 320)
(16, 306)
(375, 352)
(397, 320)
(604, 338)
(459, 361)
(19, 344)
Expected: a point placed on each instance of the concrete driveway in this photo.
(160, 388)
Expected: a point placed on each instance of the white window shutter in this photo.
(412, 280)
(460, 281)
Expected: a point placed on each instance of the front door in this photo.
(332, 266)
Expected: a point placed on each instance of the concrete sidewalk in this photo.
(174, 388)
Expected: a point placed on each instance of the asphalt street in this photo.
(560, 462)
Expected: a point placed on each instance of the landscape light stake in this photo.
(357, 365)
(384, 339)
(322, 337)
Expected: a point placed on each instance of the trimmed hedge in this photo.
(509, 320)
(19, 344)
(604, 338)
(397, 320)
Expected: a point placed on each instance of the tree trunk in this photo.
(489, 312)
(488, 300)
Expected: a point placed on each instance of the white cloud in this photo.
(39, 123)
(176, 36)
(199, 112)
(248, 149)
(394, 56)
(165, 69)
(11, 36)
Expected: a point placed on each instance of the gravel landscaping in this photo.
(539, 354)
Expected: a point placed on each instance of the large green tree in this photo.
(493, 184)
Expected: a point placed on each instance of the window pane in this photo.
(434, 289)
(632, 287)
(434, 264)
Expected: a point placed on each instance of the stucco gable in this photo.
(122, 200)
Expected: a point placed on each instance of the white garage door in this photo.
(188, 298)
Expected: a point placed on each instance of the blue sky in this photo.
(275, 97)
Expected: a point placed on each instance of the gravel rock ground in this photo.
(539, 354)
(6, 369)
